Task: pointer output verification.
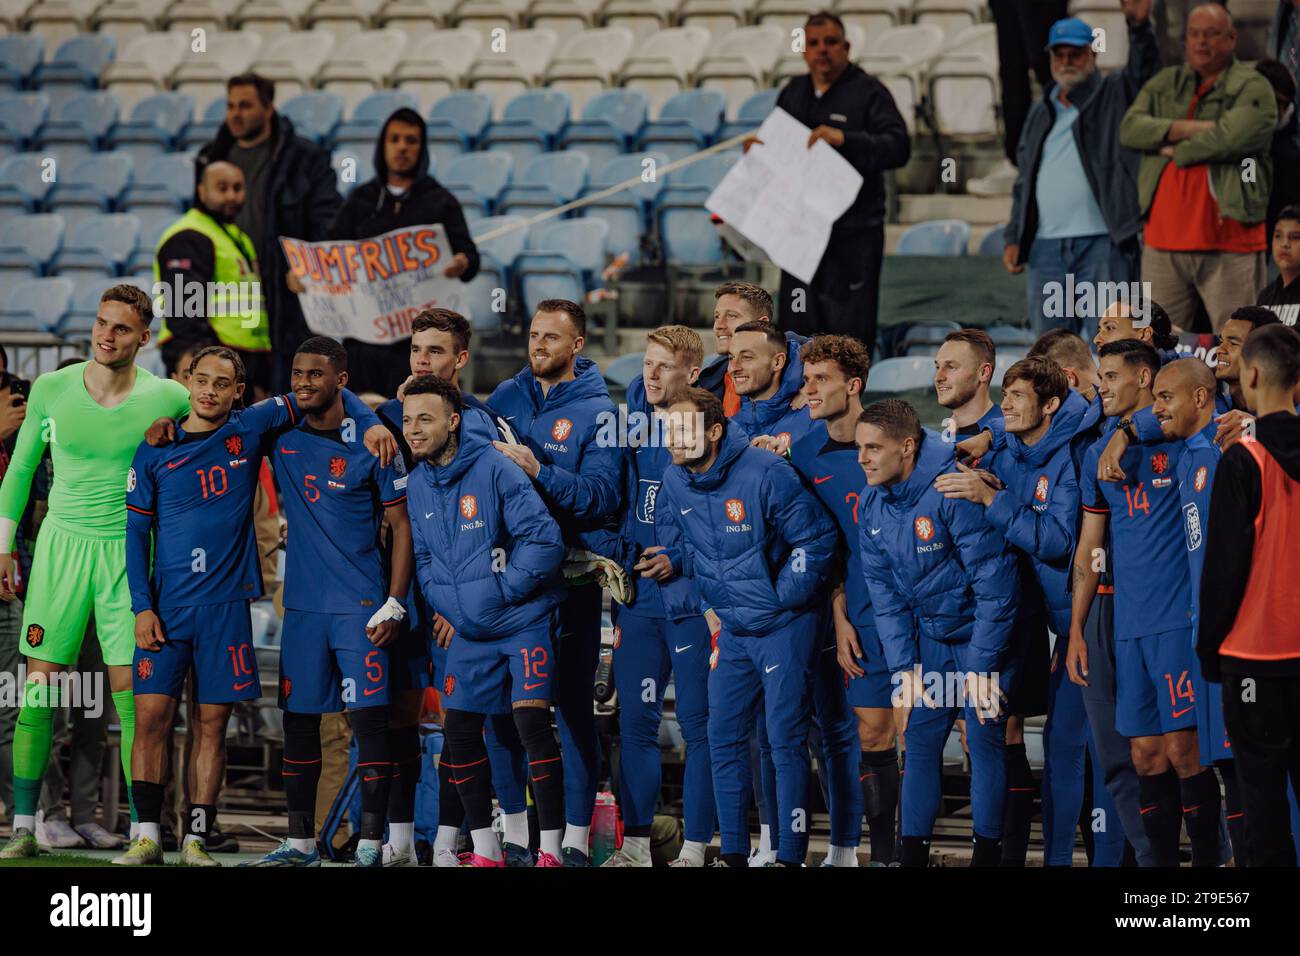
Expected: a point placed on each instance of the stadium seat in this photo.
(939, 237)
(623, 369)
(1006, 358)
(343, 18)
(203, 75)
(686, 229)
(97, 245)
(145, 66)
(76, 66)
(719, 17)
(79, 126)
(361, 64)
(750, 116)
(353, 166)
(124, 20)
(484, 16)
(200, 131)
(902, 49)
(1011, 336)
(59, 20)
(314, 114)
(436, 64)
(166, 181)
(688, 123)
(554, 273)
(870, 16)
(642, 17)
(481, 298)
(24, 181)
(154, 127)
(529, 125)
(664, 65)
(738, 66)
(505, 248)
(550, 179)
(520, 67)
(478, 179)
(455, 124)
(626, 213)
(20, 55)
(785, 15)
(565, 17)
(27, 244)
(951, 16)
(272, 18)
(901, 374)
(91, 187)
(964, 88)
(992, 244)
(587, 63)
(86, 293)
(21, 115)
(925, 338)
(210, 15)
(362, 128)
(35, 305)
(293, 60)
(609, 126)
(415, 18)
(153, 223)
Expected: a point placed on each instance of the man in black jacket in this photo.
(855, 114)
(401, 194)
(292, 191)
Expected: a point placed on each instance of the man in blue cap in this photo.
(1074, 207)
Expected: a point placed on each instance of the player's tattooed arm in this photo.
(1085, 573)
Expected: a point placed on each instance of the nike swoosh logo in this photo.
(461, 780)
(289, 451)
(687, 511)
(818, 481)
(177, 464)
(875, 531)
(372, 690)
(1179, 713)
(428, 514)
(247, 683)
(686, 648)
(768, 670)
(533, 686)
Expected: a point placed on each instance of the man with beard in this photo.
(768, 374)
(1067, 216)
(207, 246)
(403, 193)
(963, 369)
(735, 303)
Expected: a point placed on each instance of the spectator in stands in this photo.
(1284, 41)
(403, 193)
(206, 249)
(856, 115)
(1205, 234)
(1074, 210)
(1285, 150)
(734, 304)
(1282, 295)
(291, 191)
(1022, 28)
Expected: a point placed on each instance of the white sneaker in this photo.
(445, 857)
(57, 833)
(685, 861)
(999, 182)
(396, 857)
(759, 857)
(99, 838)
(619, 858)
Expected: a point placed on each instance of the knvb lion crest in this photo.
(144, 669)
(449, 685)
(735, 510)
(338, 465)
(234, 445)
(1040, 491)
(469, 506)
(924, 528)
(35, 634)
(1202, 476)
(561, 429)
(1160, 462)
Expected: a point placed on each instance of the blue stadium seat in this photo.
(1010, 335)
(87, 290)
(455, 124)
(155, 125)
(362, 168)
(24, 181)
(478, 179)
(200, 131)
(992, 244)
(529, 124)
(21, 115)
(480, 296)
(550, 179)
(78, 126)
(939, 237)
(503, 249)
(686, 229)
(562, 261)
(153, 222)
(901, 374)
(35, 305)
(362, 129)
(93, 186)
(546, 275)
(167, 180)
(20, 55)
(1006, 358)
(623, 369)
(925, 338)
(582, 240)
(751, 114)
(609, 125)
(688, 122)
(314, 114)
(627, 213)
(98, 245)
(28, 243)
(77, 65)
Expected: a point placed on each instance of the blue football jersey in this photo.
(1149, 559)
(1195, 479)
(198, 494)
(334, 495)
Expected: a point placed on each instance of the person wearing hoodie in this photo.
(1036, 510)
(768, 375)
(487, 558)
(556, 407)
(291, 191)
(760, 548)
(1247, 635)
(945, 592)
(403, 193)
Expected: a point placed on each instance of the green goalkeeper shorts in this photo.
(72, 577)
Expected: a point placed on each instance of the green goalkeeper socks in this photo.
(124, 704)
(32, 739)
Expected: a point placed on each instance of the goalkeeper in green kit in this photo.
(91, 417)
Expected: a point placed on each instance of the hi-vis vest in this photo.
(233, 298)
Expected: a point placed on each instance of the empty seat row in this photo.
(110, 244)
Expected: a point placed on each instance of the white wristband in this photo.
(391, 611)
(7, 528)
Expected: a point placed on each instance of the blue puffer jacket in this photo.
(675, 598)
(773, 416)
(935, 567)
(1038, 510)
(758, 544)
(463, 512)
(581, 478)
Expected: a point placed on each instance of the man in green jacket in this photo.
(1204, 130)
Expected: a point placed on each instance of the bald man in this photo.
(1204, 129)
(207, 272)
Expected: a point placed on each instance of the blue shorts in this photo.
(1154, 687)
(409, 659)
(486, 677)
(327, 663)
(1211, 732)
(872, 689)
(215, 641)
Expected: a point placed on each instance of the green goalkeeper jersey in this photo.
(90, 446)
